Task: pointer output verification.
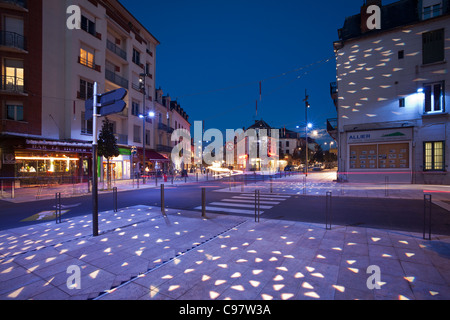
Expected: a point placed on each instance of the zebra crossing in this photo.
(245, 203)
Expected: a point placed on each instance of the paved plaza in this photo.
(142, 255)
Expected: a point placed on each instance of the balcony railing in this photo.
(163, 148)
(115, 78)
(164, 127)
(13, 40)
(114, 48)
(12, 84)
(89, 64)
(122, 139)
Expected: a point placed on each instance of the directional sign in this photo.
(108, 103)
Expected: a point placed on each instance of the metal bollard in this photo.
(257, 205)
(203, 202)
(386, 186)
(304, 185)
(58, 208)
(427, 209)
(328, 210)
(115, 199)
(163, 210)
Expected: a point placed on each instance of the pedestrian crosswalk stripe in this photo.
(261, 198)
(251, 201)
(265, 195)
(239, 205)
(230, 210)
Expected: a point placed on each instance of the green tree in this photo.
(107, 147)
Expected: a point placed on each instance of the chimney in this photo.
(365, 16)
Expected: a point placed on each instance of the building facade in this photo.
(392, 94)
(48, 73)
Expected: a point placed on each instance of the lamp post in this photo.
(307, 126)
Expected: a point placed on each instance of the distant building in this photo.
(392, 94)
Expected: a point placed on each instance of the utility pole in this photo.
(95, 165)
(306, 130)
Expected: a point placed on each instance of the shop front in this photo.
(120, 166)
(52, 162)
(380, 155)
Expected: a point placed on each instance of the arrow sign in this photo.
(108, 103)
(112, 97)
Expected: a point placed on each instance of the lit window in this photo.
(87, 58)
(434, 156)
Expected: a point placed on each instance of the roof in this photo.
(397, 14)
(260, 124)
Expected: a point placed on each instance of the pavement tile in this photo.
(145, 257)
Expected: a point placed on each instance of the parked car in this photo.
(290, 168)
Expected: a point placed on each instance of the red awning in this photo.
(151, 155)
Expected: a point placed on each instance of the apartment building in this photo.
(169, 116)
(21, 74)
(392, 94)
(48, 72)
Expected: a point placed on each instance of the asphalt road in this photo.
(393, 214)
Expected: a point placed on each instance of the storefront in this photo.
(56, 162)
(380, 155)
(120, 166)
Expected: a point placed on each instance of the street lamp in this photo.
(144, 117)
(308, 126)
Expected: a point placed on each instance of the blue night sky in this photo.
(214, 53)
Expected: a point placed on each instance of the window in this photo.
(135, 109)
(401, 102)
(434, 97)
(136, 57)
(13, 75)
(86, 89)
(86, 125)
(433, 46)
(87, 58)
(431, 11)
(88, 25)
(137, 134)
(401, 54)
(434, 156)
(14, 112)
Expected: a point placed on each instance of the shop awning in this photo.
(151, 155)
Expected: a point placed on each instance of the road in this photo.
(393, 214)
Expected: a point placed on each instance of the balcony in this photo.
(12, 85)
(163, 148)
(13, 41)
(164, 127)
(115, 49)
(332, 128)
(116, 79)
(122, 139)
(89, 64)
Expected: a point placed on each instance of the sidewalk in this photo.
(82, 189)
(141, 255)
